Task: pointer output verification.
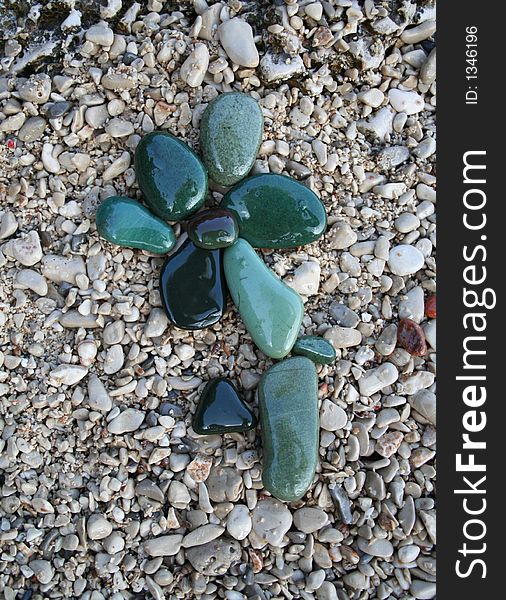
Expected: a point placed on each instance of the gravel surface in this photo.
(105, 490)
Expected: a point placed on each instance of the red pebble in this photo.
(411, 337)
(430, 307)
(11, 144)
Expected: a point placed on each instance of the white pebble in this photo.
(405, 260)
(194, 68)
(129, 420)
(407, 102)
(332, 416)
(239, 522)
(98, 527)
(236, 37)
(376, 379)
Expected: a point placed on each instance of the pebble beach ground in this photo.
(105, 490)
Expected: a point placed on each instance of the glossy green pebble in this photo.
(192, 286)
(272, 312)
(221, 410)
(128, 223)
(316, 348)
(275, 211)
(288, 402)
(231, 132)
(213, 228)
(170, 175)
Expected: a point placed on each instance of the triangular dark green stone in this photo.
(222, 410)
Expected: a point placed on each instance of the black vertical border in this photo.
(463, 128)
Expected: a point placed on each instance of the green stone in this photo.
(288, 403)
(128, 223)
(222, 410)
(272, 312)
(275, 211)
(231, 132)
(316, 348)
(170, 175)
(213, 228)
(192, 286)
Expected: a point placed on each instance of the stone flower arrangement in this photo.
(261, 211)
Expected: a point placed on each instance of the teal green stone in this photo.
(275, 211)
(231, 132)
(128, 223)
(221, 410)
(213, 228)
(288, 403)
(316, 348)
(170, 175)
(272, 312)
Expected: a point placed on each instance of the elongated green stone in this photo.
(192, 286)
(221, 410)
(272, 312)
(275, 211)
(213, 228)
(128, 223)
(316, 348)
(230, 135)
(170, 176)
(288, 402)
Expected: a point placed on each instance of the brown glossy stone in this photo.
(411, 337)
(430, 307)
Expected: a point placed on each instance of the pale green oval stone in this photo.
(272, 312)
(288, 402)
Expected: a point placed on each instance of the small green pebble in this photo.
(318, 349)
(213, 228)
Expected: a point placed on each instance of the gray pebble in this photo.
(98, 398)
(31, 280)
(129, 420)
(165, 545)
(376, 547)
(36, 89)
(342, 502)
(202, 535)
(343, 315)
(215, 557)
(332, 416)
(309, 519)
(271, 521)
(98, 527)
(32, 130)
(43, 570)
(423, 590)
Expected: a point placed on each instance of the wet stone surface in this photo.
(275, 211)
(170, 175)
(192, 286)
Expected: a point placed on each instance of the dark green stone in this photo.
(192, 286)
(316, 348)
(128, 223)
(221, 410)
(213, 228)
(231, 132)
(275, 211)
(288, 403)
(170, 175)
